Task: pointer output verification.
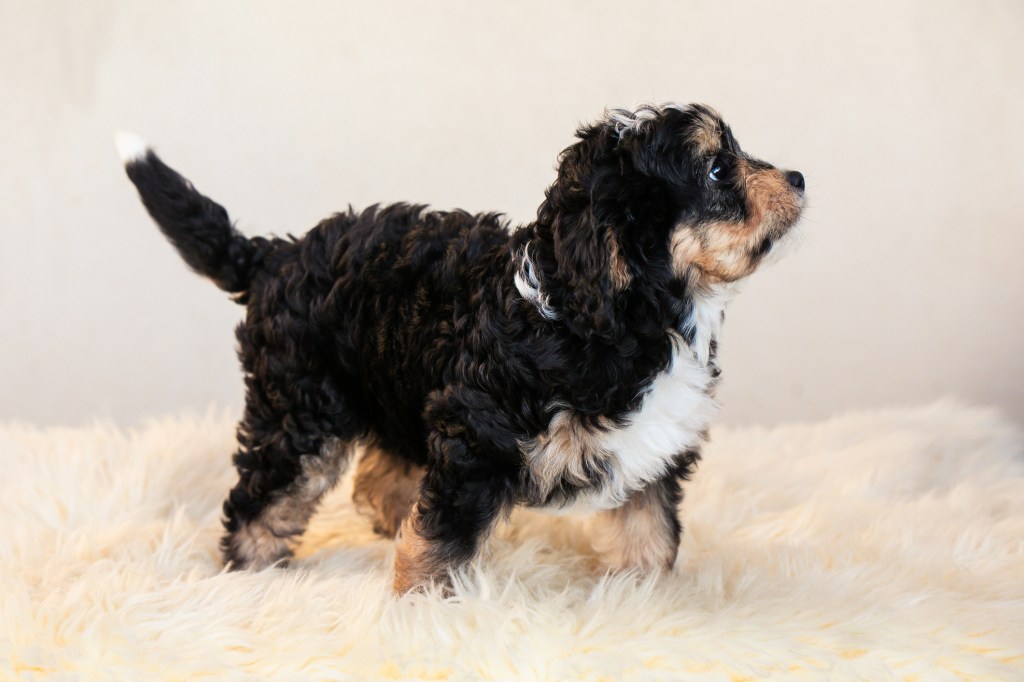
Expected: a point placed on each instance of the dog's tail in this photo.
(197, 226)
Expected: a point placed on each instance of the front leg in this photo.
(460, 498)
(644, 533)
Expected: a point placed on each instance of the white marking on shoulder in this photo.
(674, 414)
(130, 147)
(528, 286)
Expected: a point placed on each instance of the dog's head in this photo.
(663, 191)
(733, 209)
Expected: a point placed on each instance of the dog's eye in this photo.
(717, 172)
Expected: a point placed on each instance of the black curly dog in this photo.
(565, 364)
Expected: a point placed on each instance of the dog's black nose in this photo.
(795, 178)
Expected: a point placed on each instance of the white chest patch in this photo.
(607, 464)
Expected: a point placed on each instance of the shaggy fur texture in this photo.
(568, 363)
(889, 546)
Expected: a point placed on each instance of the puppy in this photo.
(566, 364)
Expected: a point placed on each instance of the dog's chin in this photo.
(770, 251)
(785, 245)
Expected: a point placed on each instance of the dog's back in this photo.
(381, 301)
(357, 322)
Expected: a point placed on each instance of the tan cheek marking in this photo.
(618, 269)
(717, 250)
(686, 249)
(416, 561)
(728, 245)
(638, 534)
(385, 486)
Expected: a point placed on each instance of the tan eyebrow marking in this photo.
(707, 134)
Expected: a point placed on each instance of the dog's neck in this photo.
(703, 304)
(705, 315)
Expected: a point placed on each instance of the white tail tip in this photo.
(130, 146)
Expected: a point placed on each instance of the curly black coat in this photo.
(487, 367)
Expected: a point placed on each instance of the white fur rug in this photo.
(872, 546)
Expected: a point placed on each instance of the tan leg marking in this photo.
(385, 488)
(638, 534)
(267, 539)
(416, 560)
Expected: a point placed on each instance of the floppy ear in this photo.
(587, 220)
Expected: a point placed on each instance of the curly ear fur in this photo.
(585, 213)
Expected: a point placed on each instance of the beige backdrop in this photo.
(906, 119)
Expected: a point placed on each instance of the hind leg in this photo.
(270, 507)
(385, 489)
(285, 467)
(300, 419)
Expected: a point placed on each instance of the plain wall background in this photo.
(906, 119)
